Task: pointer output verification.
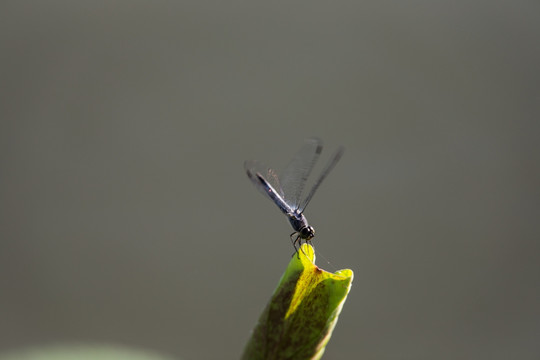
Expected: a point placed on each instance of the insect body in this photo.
(286, 191)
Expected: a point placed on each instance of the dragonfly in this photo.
(286, 190)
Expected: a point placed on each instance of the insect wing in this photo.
(254, 167)
(295, 175)
(331, 164)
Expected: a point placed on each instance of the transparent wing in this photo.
(253, 167)
(293, 178)
(329, 166)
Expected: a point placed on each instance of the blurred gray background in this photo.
(127, 218)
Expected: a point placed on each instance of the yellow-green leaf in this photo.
(298, 321)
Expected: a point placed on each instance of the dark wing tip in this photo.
(248, 165)
(317, 141)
